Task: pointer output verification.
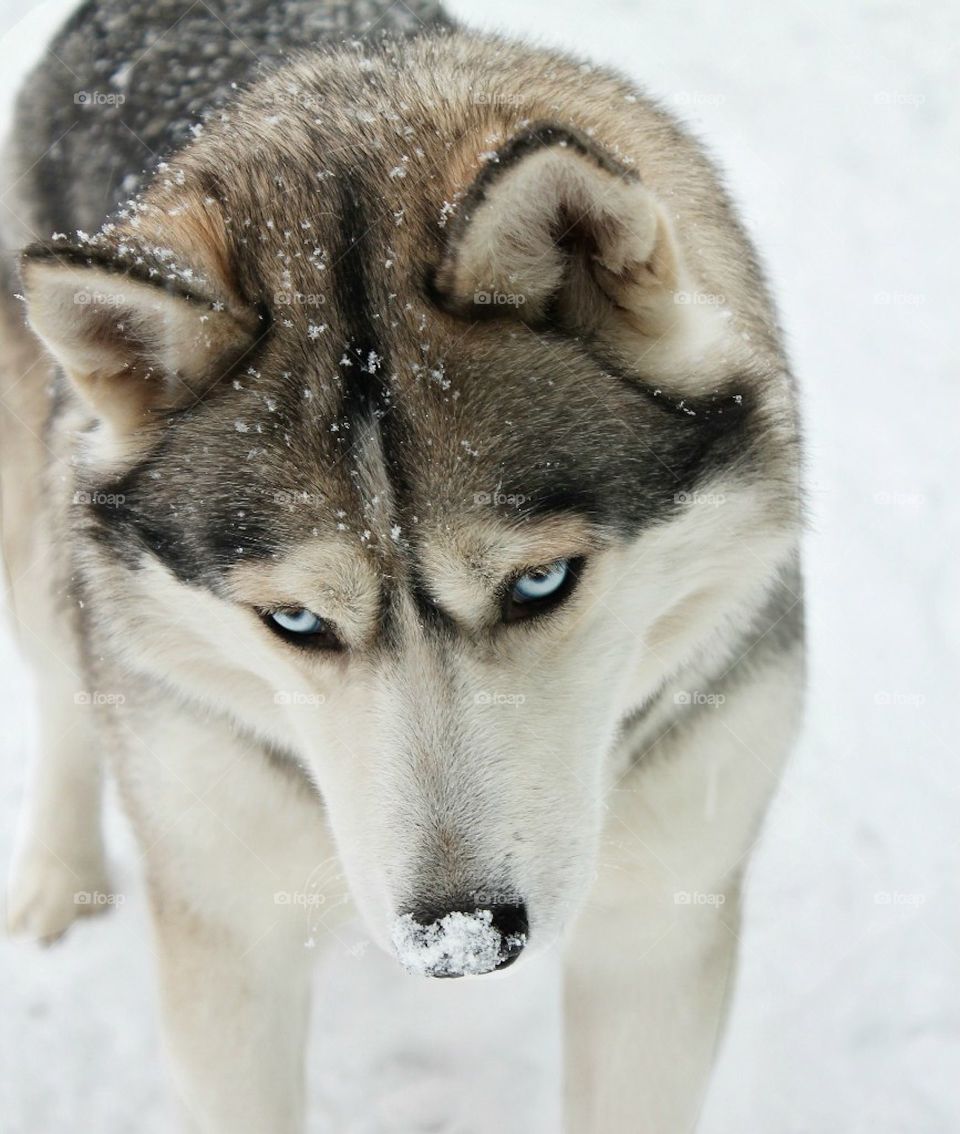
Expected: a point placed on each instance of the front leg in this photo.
(644, 1003)
(651, 956)
(241, 875)
(235, 1022)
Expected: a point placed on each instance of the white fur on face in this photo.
(472, 763)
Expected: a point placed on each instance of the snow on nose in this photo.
(460, 943)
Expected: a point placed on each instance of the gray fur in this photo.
(173, 62)
(282, 203)
(442, 388)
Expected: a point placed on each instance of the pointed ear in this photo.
(134, 335)
(553, 225)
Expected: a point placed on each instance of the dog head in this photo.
(410, 451)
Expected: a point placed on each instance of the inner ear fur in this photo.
(554, 225)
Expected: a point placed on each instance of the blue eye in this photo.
(539, 588)
(541, 582)
(297, 621)
(302, 624)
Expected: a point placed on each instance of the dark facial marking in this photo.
(365, 392)
(194, 533)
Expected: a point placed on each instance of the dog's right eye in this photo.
(540, 589)
(303, 627)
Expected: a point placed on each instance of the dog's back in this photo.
(129, 81)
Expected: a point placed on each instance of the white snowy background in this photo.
(838, 124)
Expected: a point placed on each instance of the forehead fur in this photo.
(321, 198)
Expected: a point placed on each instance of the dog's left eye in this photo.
(302, 625)
(539, 589)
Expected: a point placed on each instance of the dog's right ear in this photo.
(137, 334)
(553, 225)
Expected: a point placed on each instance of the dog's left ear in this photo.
(137, 333)
(555, 226)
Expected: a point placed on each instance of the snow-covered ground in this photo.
(839, 126)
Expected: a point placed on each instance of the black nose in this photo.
(510, 920)
(461, 939)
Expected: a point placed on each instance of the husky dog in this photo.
(401, 495)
